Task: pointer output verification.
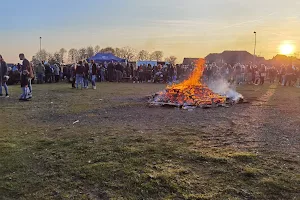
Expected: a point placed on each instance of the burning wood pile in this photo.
(190, 93)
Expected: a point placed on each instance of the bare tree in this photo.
(108, 50)
(82, 53)
(73, 55)
(157, 55)
(171, 60)
(90, 51)
(128, 53)
(97, 49)
(62, 53)
(57, 57)
(54, 58)
(35, 61)
(143, 55)
(42, 55)
(119, 53)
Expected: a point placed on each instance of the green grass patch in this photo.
(121, 149)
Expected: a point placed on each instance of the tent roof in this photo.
(102, 57)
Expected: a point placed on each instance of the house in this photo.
(233, 57)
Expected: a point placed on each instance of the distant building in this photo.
(244, 57)
(233, 57)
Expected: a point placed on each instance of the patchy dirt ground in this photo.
(120, 148)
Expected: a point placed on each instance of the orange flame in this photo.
(191, 91)
(195, 77)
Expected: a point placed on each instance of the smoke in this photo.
(222, 87)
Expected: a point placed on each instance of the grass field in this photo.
(122, 149)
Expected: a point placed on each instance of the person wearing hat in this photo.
(3, 77)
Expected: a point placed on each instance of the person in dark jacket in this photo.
(86, 75)
(119, 72)
(131, 70)
(48, 73)
(178, 69)
(289, 76)
(3, 77)
(170, 72)
(25, 75)
(110, 70)
(94, 74)
(73, 75)
(79, 75)
(262, 74)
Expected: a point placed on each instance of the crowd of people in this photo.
(83, 72)
(168, 73)
(118, 72)
(253, 74)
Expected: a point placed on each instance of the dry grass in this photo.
(121, 149)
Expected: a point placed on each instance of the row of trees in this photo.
(74, 55)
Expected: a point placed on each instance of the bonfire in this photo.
(191, 92)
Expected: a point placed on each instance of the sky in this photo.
(183, 28)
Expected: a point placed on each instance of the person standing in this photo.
(79, 75)
(131, 70)
(149, 73)
(31, 76)
(110, 70)
(289, 76)
(73, 75)
(56, 72)
(298, 77)
(170, 73)
(238, 72)
(119, 72)
(94, 74)
(253, 71)
(86, 75)
(40, 70)
(47, 72)
(262, 74)
(105, 67)
(248, 72)
(52, 67)
(102, 71)
(178, 70)
(282, 75)
(25, 74)
(272, 73)
(3, 77)
(257, 76)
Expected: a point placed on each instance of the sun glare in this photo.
(286, 49)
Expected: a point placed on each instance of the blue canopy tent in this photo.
(105, 57)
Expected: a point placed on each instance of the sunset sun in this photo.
(286, 49)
